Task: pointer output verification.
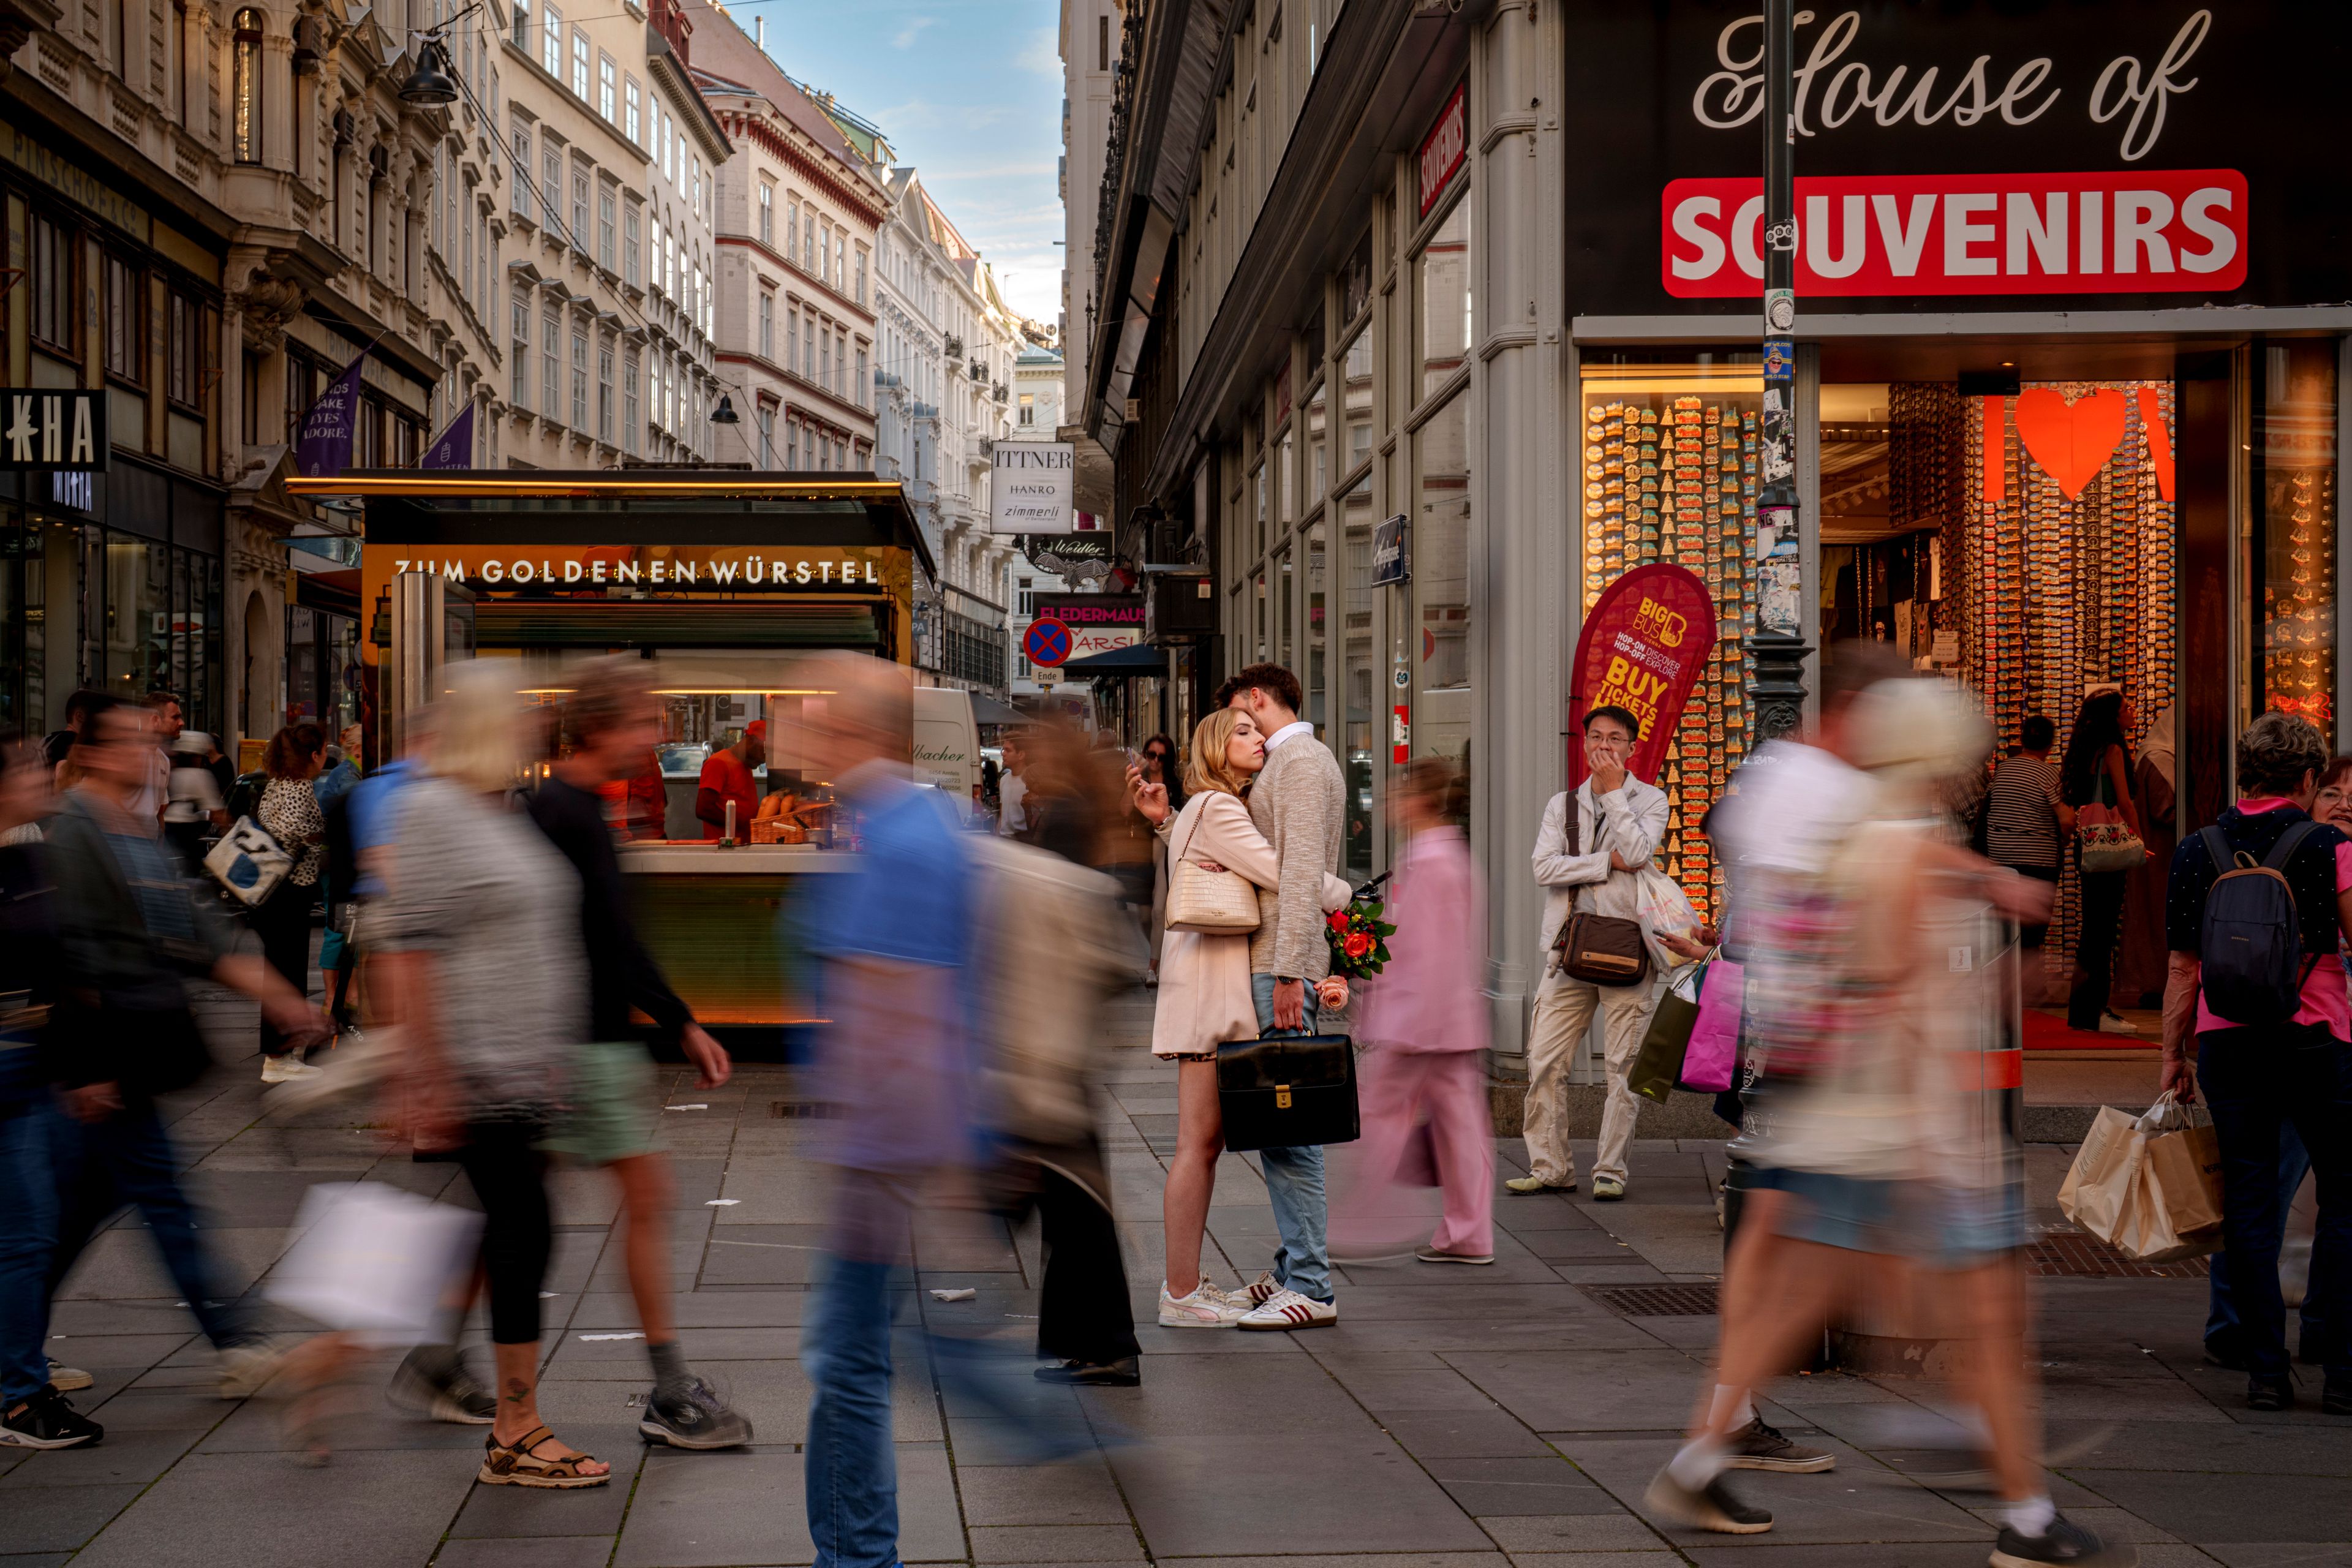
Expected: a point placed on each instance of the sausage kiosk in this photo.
(728, 580)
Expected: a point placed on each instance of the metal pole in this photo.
(1776, 652)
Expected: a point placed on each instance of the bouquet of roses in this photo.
(1358, 935)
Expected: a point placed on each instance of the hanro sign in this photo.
(54, 431)
(1033, 487)
(1445, 149)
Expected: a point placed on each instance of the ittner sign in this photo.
(58, 431)
(1032, 488)
(2153, 152)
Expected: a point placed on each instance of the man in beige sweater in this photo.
(1299, 803)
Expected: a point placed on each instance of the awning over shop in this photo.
(987, 710)
(1142, 659)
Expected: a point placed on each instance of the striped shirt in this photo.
(2022, 812)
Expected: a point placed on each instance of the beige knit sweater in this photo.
(1300, 802)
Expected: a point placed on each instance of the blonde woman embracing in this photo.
(1204, 994)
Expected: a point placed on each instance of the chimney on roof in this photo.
(759, 31)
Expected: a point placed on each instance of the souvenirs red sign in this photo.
(1645, 642)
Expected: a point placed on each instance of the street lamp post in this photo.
(1776, 650)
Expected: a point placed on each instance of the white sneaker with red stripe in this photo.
(1258, 1289)
(1286, 1309)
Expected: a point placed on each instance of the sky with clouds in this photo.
(968, 92)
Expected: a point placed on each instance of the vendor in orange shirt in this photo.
(728, 776)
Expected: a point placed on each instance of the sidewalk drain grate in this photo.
(1656, 1300)
(799, 1110)
(2071, 1254)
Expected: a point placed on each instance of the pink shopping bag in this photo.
(1714, 1051)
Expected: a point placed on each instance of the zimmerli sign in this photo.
(2157, 154)
(1032, 488)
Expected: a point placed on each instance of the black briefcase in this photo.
(1287, 1091)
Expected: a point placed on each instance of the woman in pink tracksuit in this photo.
(1425, 1031)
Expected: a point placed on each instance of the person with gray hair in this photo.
(2260, 1076)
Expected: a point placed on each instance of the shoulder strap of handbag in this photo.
(1191, 833)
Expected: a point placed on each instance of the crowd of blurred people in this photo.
(479, 972)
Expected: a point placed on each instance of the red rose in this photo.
(1358, 944)
(1339, 920)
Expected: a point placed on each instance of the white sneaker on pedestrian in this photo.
(287, 1069)
(1607, 1189)
(1258, 1291)
(68, 1379)
(1286, 1309)
(246, 1369)
(2114, 1024)
(1205, 1307)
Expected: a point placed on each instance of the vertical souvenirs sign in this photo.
(1645, 642)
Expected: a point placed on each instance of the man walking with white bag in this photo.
(1589, 852)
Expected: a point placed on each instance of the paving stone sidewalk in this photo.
(1505, 1417)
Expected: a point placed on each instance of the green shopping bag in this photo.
(1658, 1064)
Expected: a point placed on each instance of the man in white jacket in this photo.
(1617, 824)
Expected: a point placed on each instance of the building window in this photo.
(791, 340)
(579, 203)
(126, 311)
(630, 244)
(519, 351)
(767, 326)
(630, 421)
(580, 62)
(792, 225)
(175, 63)
(857, 390)
(244, 86)
(56, 290)
(860, 294)
(1028, 409)
(579, 379)
(808, 244)
(767, 437)
(792, 446)
(522, 25)
(551, 186)
(605, 390)
(1102, 43)
(606, 74)
(184, 351)
(840, 278)
(631, 112)
(550, 372)
(824, 360)
(694, 182)
(768, 213)
(605, 200)
(551, 41)
(840, 363)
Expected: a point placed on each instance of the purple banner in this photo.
(324, 448)
(453, 447)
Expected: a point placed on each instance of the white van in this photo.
(947, 744)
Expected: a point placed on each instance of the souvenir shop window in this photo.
(1442, 295)
(1670, 475)
(2293, 564)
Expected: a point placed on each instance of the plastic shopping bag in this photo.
(1659, 1063)
(2149, 1186)
(1660, 905)
(1712, 1055)
(375, 1261)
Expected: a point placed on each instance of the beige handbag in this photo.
(1211, 903)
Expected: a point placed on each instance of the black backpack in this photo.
(2250, 944)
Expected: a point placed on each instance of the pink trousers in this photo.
(1394, 1089)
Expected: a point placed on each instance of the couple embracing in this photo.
(1267, 801)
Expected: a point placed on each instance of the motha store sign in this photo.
(1979, 154)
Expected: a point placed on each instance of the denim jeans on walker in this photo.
(1294, 1181)
(850, 1469)
(29, 1224)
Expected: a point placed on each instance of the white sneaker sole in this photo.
(13, 1439)
(1288, 1325)
(70, 1380)
(1812, 1466)
(1185, 1321)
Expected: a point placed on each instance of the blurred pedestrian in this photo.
(193, 809)
(478, 957)
(1594, 841)
(2258, 1078)
(2097, 770)
(57, 742)
(1205, 996)
(730, 777)
(1425, 1027)
(895, 932)
(131, 931)
(288, 812)
(610, 1117)
(1299, 802)
(342, 768)
(1160, 768)
(1011, 788)
(2026, 825)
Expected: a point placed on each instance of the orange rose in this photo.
(1358, 944)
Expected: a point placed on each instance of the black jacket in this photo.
(621, 975)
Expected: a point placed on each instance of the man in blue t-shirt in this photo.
(895, 932)
(2259, 1078)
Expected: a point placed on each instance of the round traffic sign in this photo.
(1047, 643)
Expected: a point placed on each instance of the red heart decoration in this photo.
(2072, 441)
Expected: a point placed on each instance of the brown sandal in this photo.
(514, 1464)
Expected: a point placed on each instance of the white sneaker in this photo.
(68, 1379)
(2112, 1023)
(1206, 1308)
(246, 1370)
(1286, 1309)
(1258, 1291)
(287, 1069)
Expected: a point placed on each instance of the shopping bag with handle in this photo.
(1712, 1056)
(2149, 1186)
(1659, 1063)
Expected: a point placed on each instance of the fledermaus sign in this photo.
(1978, 153)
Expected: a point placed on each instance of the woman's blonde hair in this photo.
(1210, 768)
(478, 728)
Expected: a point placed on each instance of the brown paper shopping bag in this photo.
(2181, 1178)
(2097, 1193)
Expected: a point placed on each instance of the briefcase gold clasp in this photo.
(1282, 1097)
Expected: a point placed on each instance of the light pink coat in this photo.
(1204, 980)
(1430, 997)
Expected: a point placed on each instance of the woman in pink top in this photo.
(1426, 1033)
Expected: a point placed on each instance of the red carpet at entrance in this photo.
(2048, 1032)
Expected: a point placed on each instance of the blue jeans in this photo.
(2257, 1081)
(2221, 1318)
(1294, 1182)
(126, 1160)
(850, 1471)
(28, 1225)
